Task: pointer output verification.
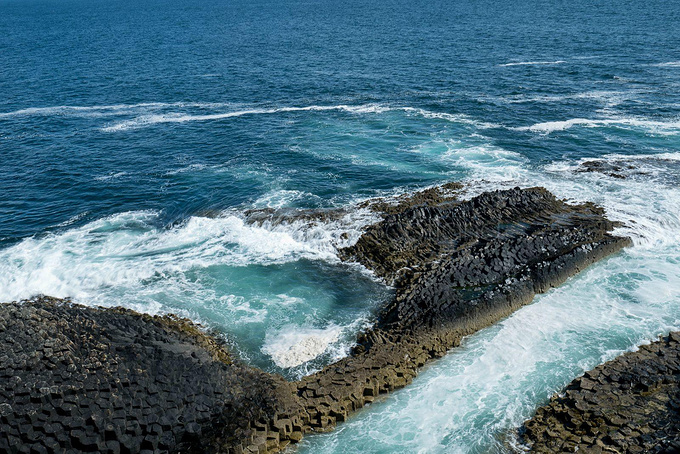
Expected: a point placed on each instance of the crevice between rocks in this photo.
(145, 383)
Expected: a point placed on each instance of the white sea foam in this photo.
(532, 63)
(126, 249)
(670, 156)
(282, 198)
(455, 118)
(110, 176)
(607, 98)
(293, 345)
(652, 126)
(492, 383)
(73, 219)
(489, 385)
(646, 203)
(487, 163)
(648, 206)
(112, 109)
(498, 376)
(669, 64)
(190, 168)
(153, 113)
(173, 117)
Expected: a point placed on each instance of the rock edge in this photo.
(457, 266)
(630, 404)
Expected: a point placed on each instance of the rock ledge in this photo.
(116, 381)
(630, 404)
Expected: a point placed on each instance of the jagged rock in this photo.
(112, 380)
(615, 169)
(644, 416)
(457, 266)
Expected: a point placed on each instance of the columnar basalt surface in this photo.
(630, 404)
(456, 266)
(80, 379)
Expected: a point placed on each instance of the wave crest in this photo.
(128, 248)
(533, 63)
(655, 126)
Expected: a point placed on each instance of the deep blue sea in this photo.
(135, 136)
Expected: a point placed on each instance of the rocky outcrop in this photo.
(628, 405)
(614, 168)
(456, 266)
(80, 379)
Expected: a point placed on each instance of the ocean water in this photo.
(136, 138)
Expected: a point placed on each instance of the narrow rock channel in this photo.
(116, 381)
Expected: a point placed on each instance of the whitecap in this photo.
(190, 168)
(531, 63)
(155, 113)
(486, 163)
(294, 345)
(490, 384)
(73, 219)
(282, 198)
(147, 120)
(608, 98)
(494, 380)
(669, 64)
(454, 118)
(126, 249)
(653, 126)
(110, 176)
(110, 109)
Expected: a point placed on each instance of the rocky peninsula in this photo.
(630, 404)
(111, 380)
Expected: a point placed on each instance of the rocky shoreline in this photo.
(456, 266)
(83, 379)
(630, 404)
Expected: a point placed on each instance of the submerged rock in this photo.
(615, 169)
(457, 266)
(630, 404)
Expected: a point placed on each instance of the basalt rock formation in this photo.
(81, 379)
(615, 169)
(456, 266)
(630, 404)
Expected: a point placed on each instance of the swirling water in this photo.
(134, 137)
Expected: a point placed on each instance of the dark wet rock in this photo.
(273, 216)
(630, 404)
(457, 266)
(80, 379)
(615, 169)
(490, 236)
(438, 195)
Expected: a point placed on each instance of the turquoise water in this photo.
(136, 136)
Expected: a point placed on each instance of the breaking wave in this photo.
(653, 126)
